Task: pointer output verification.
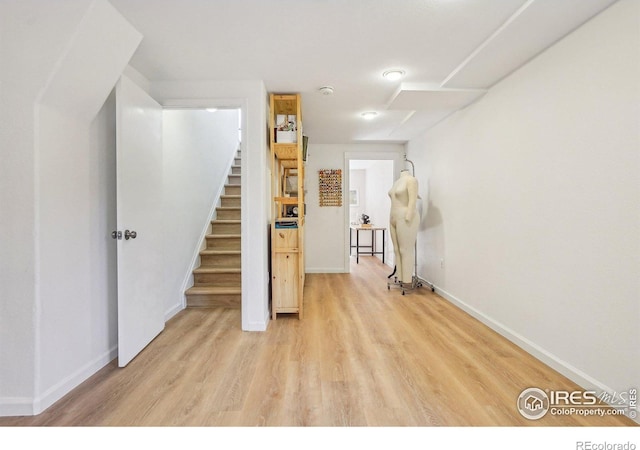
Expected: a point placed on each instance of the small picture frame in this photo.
(353, 197)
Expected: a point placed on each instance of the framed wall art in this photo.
(330, 192)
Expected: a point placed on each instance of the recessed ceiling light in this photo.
(369, 115)
(393, 75)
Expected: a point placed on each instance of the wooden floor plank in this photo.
(363, 355)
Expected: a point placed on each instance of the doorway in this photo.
(369, 180)
(190, 156)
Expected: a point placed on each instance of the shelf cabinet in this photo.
(287, 215)
(286, 270)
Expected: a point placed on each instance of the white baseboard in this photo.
(16, 406)
(24, 406)
(256, 326)
(574, 374)
(174, 310)
(55, 393)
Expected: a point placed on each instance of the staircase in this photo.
(217, 282)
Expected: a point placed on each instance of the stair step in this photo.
(225, 227)
(230, 200)
(221, 258)
(218, 280)
(223, 241)
(228, 213)
(232, 189)
(207, 290)
(207, 297)
(217, 276)
(204, 270)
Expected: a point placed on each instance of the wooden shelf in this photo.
(286, 104)
(288, 151)
(287, 176)
(286, 200)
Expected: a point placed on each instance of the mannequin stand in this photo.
(406, 287)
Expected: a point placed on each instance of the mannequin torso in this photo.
(404, 194)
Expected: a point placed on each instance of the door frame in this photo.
(242, 105)
(396, 157)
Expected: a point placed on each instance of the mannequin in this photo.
(403, 224)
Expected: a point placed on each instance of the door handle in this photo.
(130, 234)
(116, 234)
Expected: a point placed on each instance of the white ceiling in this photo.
(451, 51)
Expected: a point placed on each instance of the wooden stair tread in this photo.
(233, 221)
(213, 290)
(220, 252)
(221, 270)
(223, 236)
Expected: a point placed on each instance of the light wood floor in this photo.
(362, 356)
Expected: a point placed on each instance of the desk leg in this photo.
(357, 246)
(373, 242)
(383, 247)
(350, 247)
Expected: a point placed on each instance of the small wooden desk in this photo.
(358, 229)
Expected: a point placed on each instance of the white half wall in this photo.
(198, 150)
(534, 204)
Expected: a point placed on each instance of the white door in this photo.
(139, 198)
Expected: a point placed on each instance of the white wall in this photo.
(534, 204)
(77, 314)
(32, 55)
(198, 150)
(357, 181)
(327, 233)
(56, 283)
(379, 179)
(251, 98)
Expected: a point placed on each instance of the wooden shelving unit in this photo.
(287, 216)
